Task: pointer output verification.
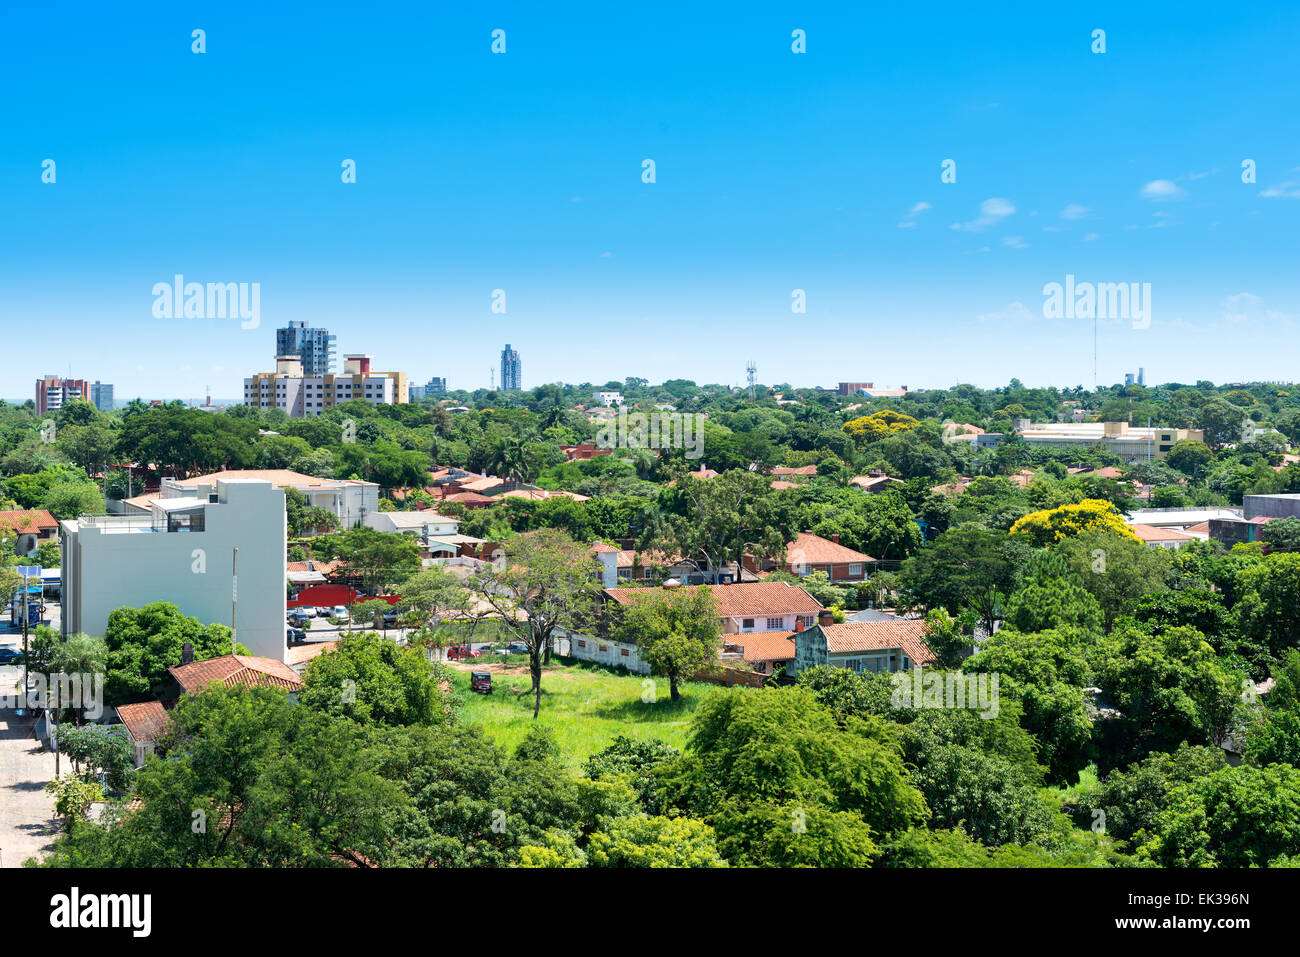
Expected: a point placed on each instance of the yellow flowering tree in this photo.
(1052, 525)
(879, 425)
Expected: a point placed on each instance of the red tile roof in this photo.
(301, 654)
(28, 521)
(765, 645)
(145, 721)
(233, 670)
(1150, 533)
(810, 549)
(801, 470)
(851, 636)
(743, 599)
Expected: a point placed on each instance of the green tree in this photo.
(643, 841)
(144, 642)
(969, 566)
(1233, 817)
(548, 581)
(676, 632)
(374, 680)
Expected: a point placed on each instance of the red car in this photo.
(460, 652)
(480, 681)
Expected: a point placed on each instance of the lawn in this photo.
(586, 705)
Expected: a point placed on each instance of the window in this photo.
(747, 623)
(581, 643)
(604, 648)
(775, 624)
(623, 652)
(855, 570)
(853, 664)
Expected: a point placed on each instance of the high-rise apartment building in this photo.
(53, 393)
(511, 369)
(315, 347)
(299, 394)
(101, 394)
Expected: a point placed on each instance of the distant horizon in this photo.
(227, 402)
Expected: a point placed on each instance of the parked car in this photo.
(390, 619)
(480, 681)
(298, 615)
(11, 656)
(297, 636)
(338, 611)
(460, 652)
(517, 648)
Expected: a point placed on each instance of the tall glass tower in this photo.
(315, 346)
(511, 377)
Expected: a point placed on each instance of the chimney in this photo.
(835, 538)
(825, 617)
(187, 653)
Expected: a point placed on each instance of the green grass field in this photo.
(586, 705)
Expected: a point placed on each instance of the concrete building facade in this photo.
(290, 388)
(53, 393)
(183, 552)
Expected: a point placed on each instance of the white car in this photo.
(338, 611)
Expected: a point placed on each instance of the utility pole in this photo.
(234, 596)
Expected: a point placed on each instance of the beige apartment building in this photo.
(1130, 443)
(302, 395)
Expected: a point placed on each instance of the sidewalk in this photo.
(27, 825)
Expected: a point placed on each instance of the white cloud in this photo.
(1162, 190)
(1075, 211)
(1013, 312)
(1015, 242)
(909, 222)
(1237, 308)
(1288, 190)
(1090, 237)
(992, 212)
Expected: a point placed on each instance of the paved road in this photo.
(27, 824)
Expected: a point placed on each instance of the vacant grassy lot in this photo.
(586, 705)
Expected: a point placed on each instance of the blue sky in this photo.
(775, 171)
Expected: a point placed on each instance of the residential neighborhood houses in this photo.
(488, 580)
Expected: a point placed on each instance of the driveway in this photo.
(27, 825)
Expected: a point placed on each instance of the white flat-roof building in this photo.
(182, 552)
(350, 500)
(1130, 443)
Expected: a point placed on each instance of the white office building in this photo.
(182, 551)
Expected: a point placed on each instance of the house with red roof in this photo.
(865, 647)
(32, 526)
(809, 553)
